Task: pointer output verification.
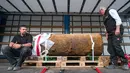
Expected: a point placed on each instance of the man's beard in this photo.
(24, 33)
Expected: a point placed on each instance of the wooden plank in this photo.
(3, 61)
(7, 34)
(4, 43)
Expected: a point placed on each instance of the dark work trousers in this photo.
(115, 49)
(16, 56)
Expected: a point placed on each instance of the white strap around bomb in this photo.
(92, 46)
(45, 53)
(48, 44)
(46, 50)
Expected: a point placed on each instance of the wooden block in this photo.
(63, 64)
(64, 58)
(38, 64)
(82, 64)
(59, 58)
(40, 58)
(83, 58)
(58, 64)
(103, 60)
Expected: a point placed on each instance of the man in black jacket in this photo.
(114, 32)
(19, 48)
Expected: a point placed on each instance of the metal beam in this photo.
(111, 4)
(54, 4)
(123, 5)
(27, 6)
(13, 6)
(95, 6)
(83, 3)
(4, 9)
(68, 6)
(41, 6)
(58, 14)
(126, 11)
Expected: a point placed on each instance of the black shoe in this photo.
(16, 68)
(11, 67)
(125, 67)
(111, 66)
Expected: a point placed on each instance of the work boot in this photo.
(125, 64)
(125, 67)
(111, 66)
(11, 67)
(16, 68)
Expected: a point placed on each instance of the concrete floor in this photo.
(4, 66)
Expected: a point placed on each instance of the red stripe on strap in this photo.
(37, 46)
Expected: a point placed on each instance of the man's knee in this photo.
(5, 49)
(26, 50)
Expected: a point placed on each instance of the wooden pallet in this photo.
(39, 62)
(84, 61)
(69, 61)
